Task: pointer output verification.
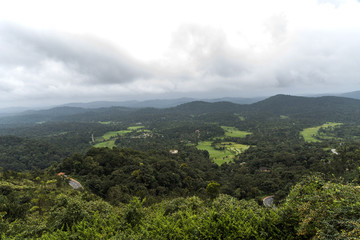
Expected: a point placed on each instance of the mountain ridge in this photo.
(273, 106)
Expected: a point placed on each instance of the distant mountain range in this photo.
(161, 103)
(157, 103)
(355, 95)
(327, 107)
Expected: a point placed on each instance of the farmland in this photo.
(312, 135)
(222, 152)
(234, 132)
(108, 139)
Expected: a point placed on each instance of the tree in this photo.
(213, 189)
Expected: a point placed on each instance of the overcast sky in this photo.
(54, 52)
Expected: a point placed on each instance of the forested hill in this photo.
(323, 108)
(199, 107)
(320, 107)
(285, 104)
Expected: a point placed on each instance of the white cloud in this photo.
(84, 50)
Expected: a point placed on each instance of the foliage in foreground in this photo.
(43, 207)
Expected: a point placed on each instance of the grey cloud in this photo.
(97, 61)
(277, 27)
(207, 52)
(321, 60)
(203, 57)
(336, 3)
(43, 65)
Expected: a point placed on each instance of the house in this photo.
(265, 170)
(174, 151)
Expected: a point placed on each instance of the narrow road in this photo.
(268, 201)
(75, 184)
(334, 151)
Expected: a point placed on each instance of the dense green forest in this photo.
(196, 171)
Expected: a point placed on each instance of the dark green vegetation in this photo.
(45, 207)
(195, 171)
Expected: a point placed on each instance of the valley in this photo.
(150, 167)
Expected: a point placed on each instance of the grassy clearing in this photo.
(311, 134)
(234, 132)
(105, 123)
(108, 139)
(135, 128)
(241, 118)
(109, 144)
(284, 117)
(222, 152)
(112, 134)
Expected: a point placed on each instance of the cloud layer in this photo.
(280, 53)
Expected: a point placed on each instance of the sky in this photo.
(55, 52)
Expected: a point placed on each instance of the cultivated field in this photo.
(312, 135)
(108, 139)
(234, 132)
(222, 152)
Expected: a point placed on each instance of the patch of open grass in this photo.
(106, 123)
(222, 152)
(108, 139)
(241, 118)
(234, 132)
(109, 144)
(310, 134)
(284, 117)
(109, 135)
(135, 127)
(112, 134)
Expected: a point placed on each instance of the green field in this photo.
(112, 134)
(310, 134)
(135, 127)
(234, 132)
(106, 123)
(108, 139)
(109, 144)
(227, 154)
(284, 117)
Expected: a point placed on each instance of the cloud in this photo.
(86, 59)
(58, 67)
(204, 52)
(276, 26)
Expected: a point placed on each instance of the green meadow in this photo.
(109, 144)
(112, 134)
(311, 134)
(135, 128)
(222, 152)
(108, 139)
(241, 118)
(234, 132)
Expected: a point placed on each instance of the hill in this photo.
(285, 104)
(335, 108)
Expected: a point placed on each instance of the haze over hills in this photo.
(159, 103)
(272, 106)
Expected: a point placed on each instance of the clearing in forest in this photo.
(112, 134)
(312, 134)
(234, 132)
(109, 144)
(135, 127)
(108, 139)
(222, 152)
